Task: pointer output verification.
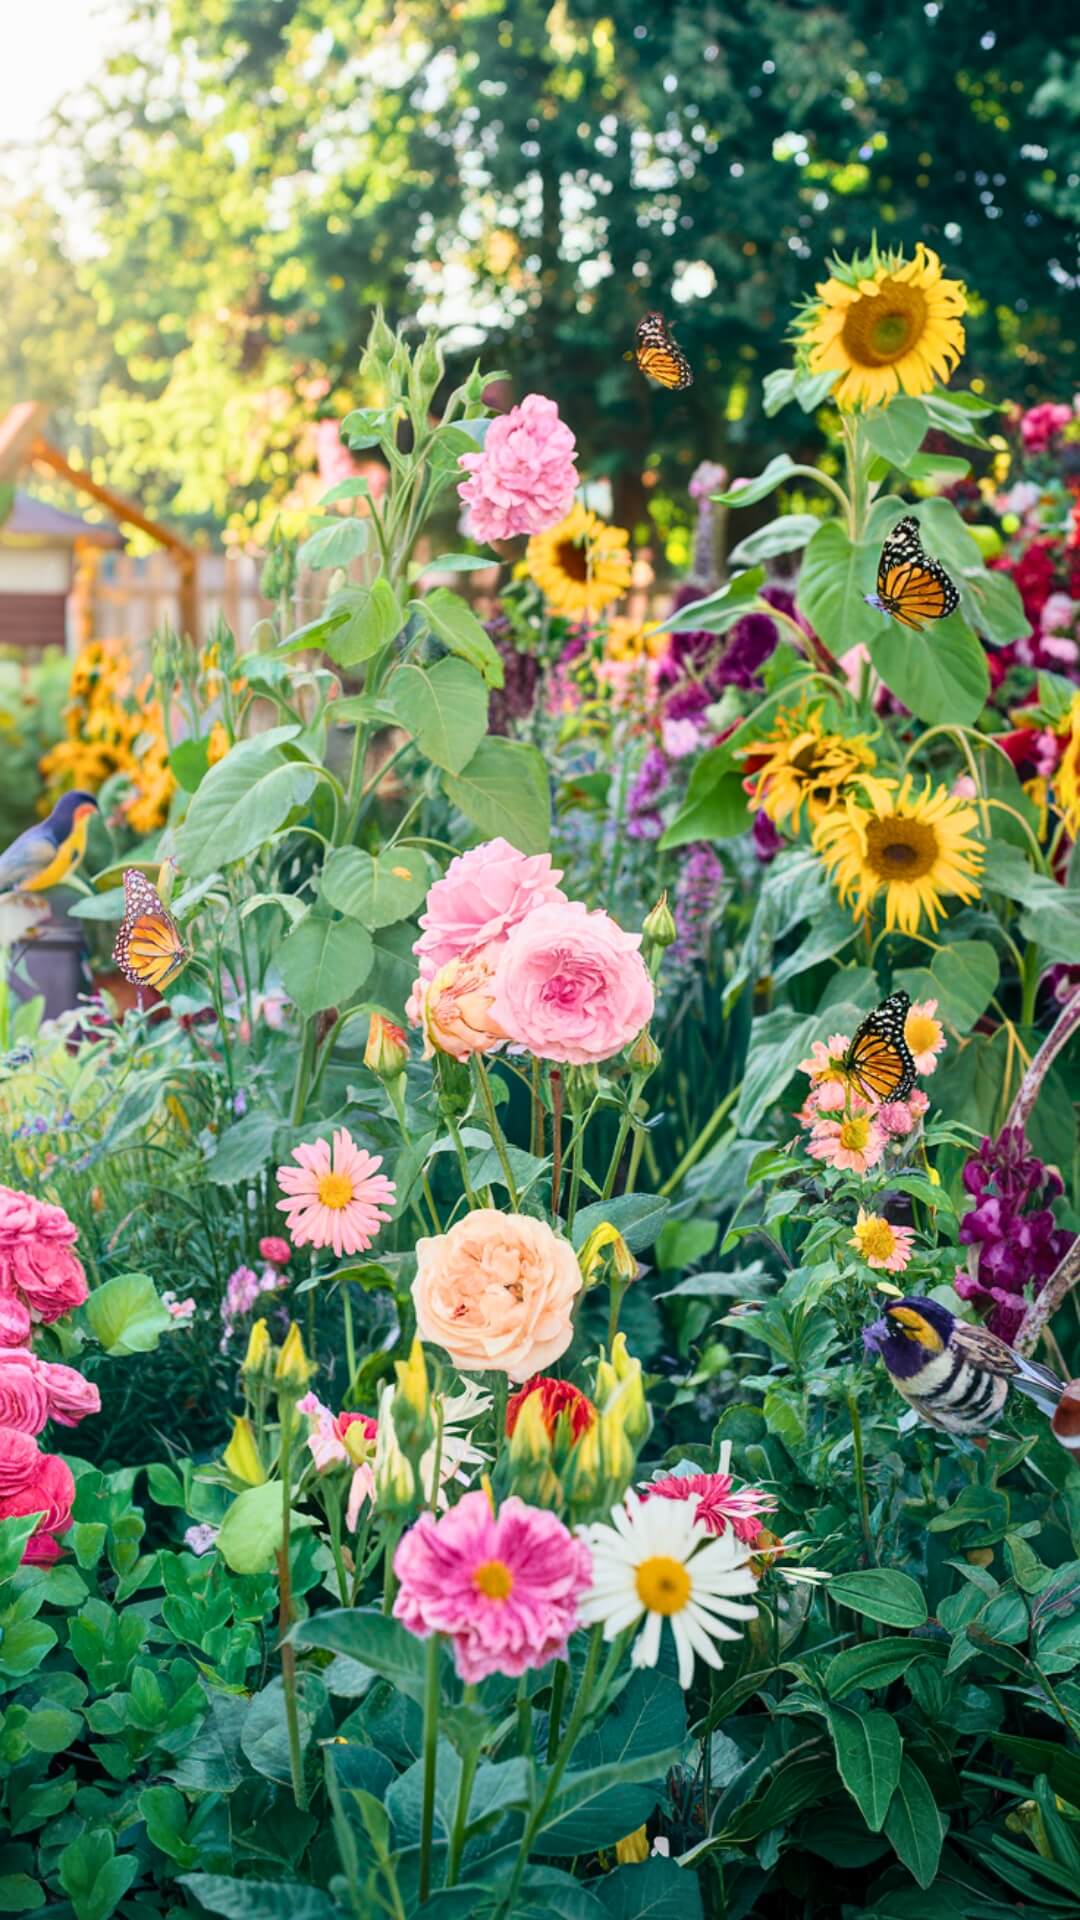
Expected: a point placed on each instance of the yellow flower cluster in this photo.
(112, 727)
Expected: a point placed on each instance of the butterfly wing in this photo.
(879, 1061)
(910, 586)
(148, 950)
(659, 356)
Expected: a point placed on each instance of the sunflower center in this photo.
(663, 1584)
(900, 849)
(855, 1132)
(880, 328)
(573, 558)
(335, 1191)
(875, 1238)
(494, 1580)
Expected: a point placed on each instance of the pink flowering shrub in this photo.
(523, 479)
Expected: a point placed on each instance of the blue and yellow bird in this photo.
(955, 1375)
(47, 853)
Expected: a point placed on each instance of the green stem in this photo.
(431, 1749)
(304, 1061)
(469, 1762)
(625, 1124)
(334, 1503)
(860, 1476)
(558, 1694)
(285, 1613)
(497, 1135)
(697, 1147)
(539, 1813)
(350, 1337)
(577, 1155)
(463, 1163)
(1029, 984)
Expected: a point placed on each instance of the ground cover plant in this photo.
(566, 1264)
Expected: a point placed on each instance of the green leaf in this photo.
(242, 802)
(373, 1639)
(913, 1824)
(14, 1534)
(259, 1899)
(868, 1754)
(719, 610)
(445, 708)
(376, 890)
(1051, 915)
(456, 626)
(654, 1890)
(372, 619)
(639, 1217)
(961, 977)
(459, 563)
(356, 487)
(897, 430)
(789, 534)
(92, 1876)
(1061, 1768)
(125, 1315)
(882, 1594)
(877, 1663)
(324, 963)
(993, 606)
(189, 762)
(778, 1041)
(940, 673)
(243, 1149)
(335, 545)
(18, 1892)
(949, 414)
(790, 383)
(253, 1529)
(505, 790)
(264, 1737)
(620, 1766)
(834, 580)
(750, 491)
(720, 812)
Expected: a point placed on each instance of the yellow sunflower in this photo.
(629, 640)
(799, 764)
(1067, 778)
(884, 325)
(912, 847)
(581, 565)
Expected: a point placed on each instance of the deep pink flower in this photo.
(14, 1320)
(571, 985)
(335, 1197)
(50, 1491)
(1040, 425)
(71, 1397)
(36, 1260)
(274, 1250)
(482, 895)
(18, 1461)
(523, 479)
(24, 1399)
(504, 1586)
(719, 1504)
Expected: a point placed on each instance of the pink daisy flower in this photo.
(924, 1034)
(335, 1197)
(826, 1057)
(881, 1245)
(853, 1144)
(719, 1504)
(504, 1586)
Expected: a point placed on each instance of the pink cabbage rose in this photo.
(571, 985)
(497, 1293)
(18, 1461)
(481, 896)
(71, 1397)
(14, 1321)
(50, 1491)
(523, 479)
(24, 1397)
(36, 1260)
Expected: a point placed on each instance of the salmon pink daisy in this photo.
(718, 1503)
(853, 1144)
(504, 1586)
(924, 1034)
(335, 1198)
(881, 1245)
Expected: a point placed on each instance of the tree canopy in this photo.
(536, 176)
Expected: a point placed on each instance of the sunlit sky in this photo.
(50, 47)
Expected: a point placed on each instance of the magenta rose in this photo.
(523, 479)
(50, 1491)
(71, 1397)
(36, 1258)
(571, 985)
(24, 1398)
(481, 896)
(14, 1321)
(19, 1458)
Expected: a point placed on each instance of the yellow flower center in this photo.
(335, 1191)
(494, 1579)
(880, 328)
(855, 1132)
(875, 1238)
(573, 557)
(663, 1584)
(900, 849)
(922, 1032)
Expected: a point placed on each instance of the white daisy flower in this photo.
(656, 1559)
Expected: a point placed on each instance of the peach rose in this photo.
(497, 1293)
(457, 1007)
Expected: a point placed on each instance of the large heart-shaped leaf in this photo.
(375, 889)
(445, 708)
(456, 626)
(324, 963)
(835, 577)
(242, 803)
(940, 673)
(125, 1314)
(504, 790)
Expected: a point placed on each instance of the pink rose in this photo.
(497, 1293)
(18, 1463)
(523, 479)
(71, 1397)
(24, 1398)
(36, 1260)
(571, 985)
(274, 1250)
(1040, 425)
(481, 896)
(14, 1321)
(50, 1491)
(456, 1007)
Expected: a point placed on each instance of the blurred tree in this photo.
(53, 347)
(535, 176)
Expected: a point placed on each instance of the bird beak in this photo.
(83, 813)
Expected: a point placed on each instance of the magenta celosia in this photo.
(504, 1587)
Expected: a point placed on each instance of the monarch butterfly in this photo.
(879, 1061)
(148, 950)
(659, 356)
(911, 587)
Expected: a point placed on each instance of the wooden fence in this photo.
(132, 596)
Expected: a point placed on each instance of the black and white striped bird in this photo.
(954, 1375)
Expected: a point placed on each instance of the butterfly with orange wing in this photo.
(879, 1063)
(149, 951)
(911, 587)
(659, 356)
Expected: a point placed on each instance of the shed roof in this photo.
(35, 520)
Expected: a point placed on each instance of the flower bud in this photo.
(387, 1052)
(293, 1369)
(259, 1350)
(644, 1056)
(380, 344)
(166, 880)
(531, 1473)
(241, 1456)
(457, 1007)
(395, 1481)
(616, 1451)
(413, 1422)
(634, 1409)
(585, 1482)
(604, 1249)
(427, 371)
(659, 925)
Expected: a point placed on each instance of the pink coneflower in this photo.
(881, 1245)
(505, 1586)
(719, 1504)
(335, 1199)
(924, 1035)
(854, 1144)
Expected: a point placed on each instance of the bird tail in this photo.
(1039, 1383)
